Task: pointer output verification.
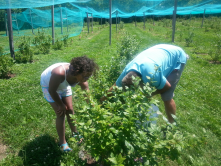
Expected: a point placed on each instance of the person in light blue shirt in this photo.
(163, 65)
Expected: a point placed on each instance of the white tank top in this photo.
(46, 76)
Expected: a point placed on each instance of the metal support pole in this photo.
(87, 23)
(10, 30)
(92, 22)
(61, 19)
(153, 20)
(174, 20)
(203, 17)
(66, 18)
(135, 21)
(116, 20)
(52, 22)
(110, 20)
(31, 21)
(144, 20)
(190, 16)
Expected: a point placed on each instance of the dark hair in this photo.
(83, 64)
(127, 80)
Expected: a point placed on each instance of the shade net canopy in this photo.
(125, 8)
(66, 20)
(69, 15)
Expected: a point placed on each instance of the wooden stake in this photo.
(174, 20)
(203, 17)
(61, 19)
(110, 20)
(31, 21)
(88, 21)
(52, 22)
(10, 30)
(143, 20)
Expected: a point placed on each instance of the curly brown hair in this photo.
(83, 64)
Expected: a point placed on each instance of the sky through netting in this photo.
(69, 14)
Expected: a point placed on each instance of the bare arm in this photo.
(85, 86)
(55, 80)
(160, 91)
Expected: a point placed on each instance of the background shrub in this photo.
(6, 63)
(128, 46)
(25, 53)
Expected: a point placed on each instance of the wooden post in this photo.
(66, 18)
(116, 20)
(10, 30)
(92, 22)
(174, 20)
(61, 19)
(190, 16)
(52, 23)
(203, 17)
(110, 20)
(143, 20)
(31, 21)
(153, 20)
(88, 23)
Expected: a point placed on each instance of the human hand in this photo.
(103, 99)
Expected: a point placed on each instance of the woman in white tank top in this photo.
(56, 83)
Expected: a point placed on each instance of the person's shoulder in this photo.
(59, 70)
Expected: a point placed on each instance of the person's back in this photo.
(165, 57)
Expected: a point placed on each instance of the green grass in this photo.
(27, 123)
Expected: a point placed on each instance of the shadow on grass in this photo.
(43, 150)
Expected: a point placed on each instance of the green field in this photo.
(27, 125)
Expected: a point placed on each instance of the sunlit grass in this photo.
(28, 122)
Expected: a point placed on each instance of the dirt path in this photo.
(3, 153)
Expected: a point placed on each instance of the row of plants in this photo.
(26, 123)
(189, 31)
(112, 134)
(27, 47)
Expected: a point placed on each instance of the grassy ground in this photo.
(27, 123)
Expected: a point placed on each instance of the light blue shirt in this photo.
(165, 57)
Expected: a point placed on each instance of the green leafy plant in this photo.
(106, 23)
(25, 53)
(58, 45)
(1, 50)
(206, 28)
(215, 52)
(181, 36)
(128, 46)
(189, 39)
(121, 25)
(65, 40)
(113, 136)
(217, 28)
(42, 41)
(6, 63)
(166, 22)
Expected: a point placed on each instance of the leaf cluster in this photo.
(6, 63)
(42, 41)
(119, 131)
(128, 46)
(25, 53)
